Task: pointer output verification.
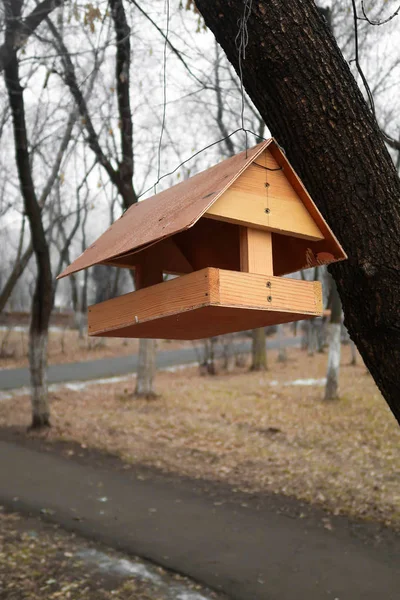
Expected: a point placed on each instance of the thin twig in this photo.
(377, 23)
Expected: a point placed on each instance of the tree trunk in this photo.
(259, 350)
(335, 326)
(38, 369)
(146, 369)
(353, 351)
(43, 296)
(228, 352)
(207, 366)
(311, 337)
(301, 84)
(282, 354)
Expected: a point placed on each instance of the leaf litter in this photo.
(341, 455)
(40, 561)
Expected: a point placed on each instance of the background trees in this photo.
(100, 80)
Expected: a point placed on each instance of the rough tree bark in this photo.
(43, 296)
(258, 350)
(335, 326)
(298, 79)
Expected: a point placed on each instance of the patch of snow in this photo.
(120, 566)
(177, 368)
(22, 328)
(75, 386)
(190, 596)
(318, 382)
(167, 587)
(78, 386)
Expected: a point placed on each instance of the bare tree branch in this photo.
(18, 268)
(72, 83)
(25, 28)
(122, 76)
(395, 144)
(169, 43)
(220, 105)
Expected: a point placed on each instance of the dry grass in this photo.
(65, 346)
(41, 562)
(245, 430)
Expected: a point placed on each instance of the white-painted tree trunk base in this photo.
(81, 324)
(311, 337)
(282, 354)
(146, 369)
(38, 371)
(353, 351)
(332, 376)
(229, 353)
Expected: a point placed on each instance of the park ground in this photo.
(268, 432)
(39, 560)
(66, 346)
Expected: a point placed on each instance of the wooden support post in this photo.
(147, 275)
(256, 251)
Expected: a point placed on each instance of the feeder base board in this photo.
(204, 304)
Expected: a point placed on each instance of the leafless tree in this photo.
(42, 298)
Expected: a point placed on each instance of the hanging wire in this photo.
(167, 9)
(257, 135)
(267, 168)
(241, 41)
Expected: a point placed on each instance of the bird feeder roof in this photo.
(180, 207)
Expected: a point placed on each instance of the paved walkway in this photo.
(111, 367)
(251, 551)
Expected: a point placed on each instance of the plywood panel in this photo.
(170, 297)
(294, 254)
(257, 300)
(265, 199)
(329, 244)
(272, 293)
(164, 256)
(255, 251)
(204, 322)
(180, 208)
(166, 213)
(210, 244)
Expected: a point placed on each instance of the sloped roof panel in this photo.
(169, 212)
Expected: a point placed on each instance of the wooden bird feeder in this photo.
(230, 233)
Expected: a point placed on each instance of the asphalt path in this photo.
(117, 366)
(250, 549)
